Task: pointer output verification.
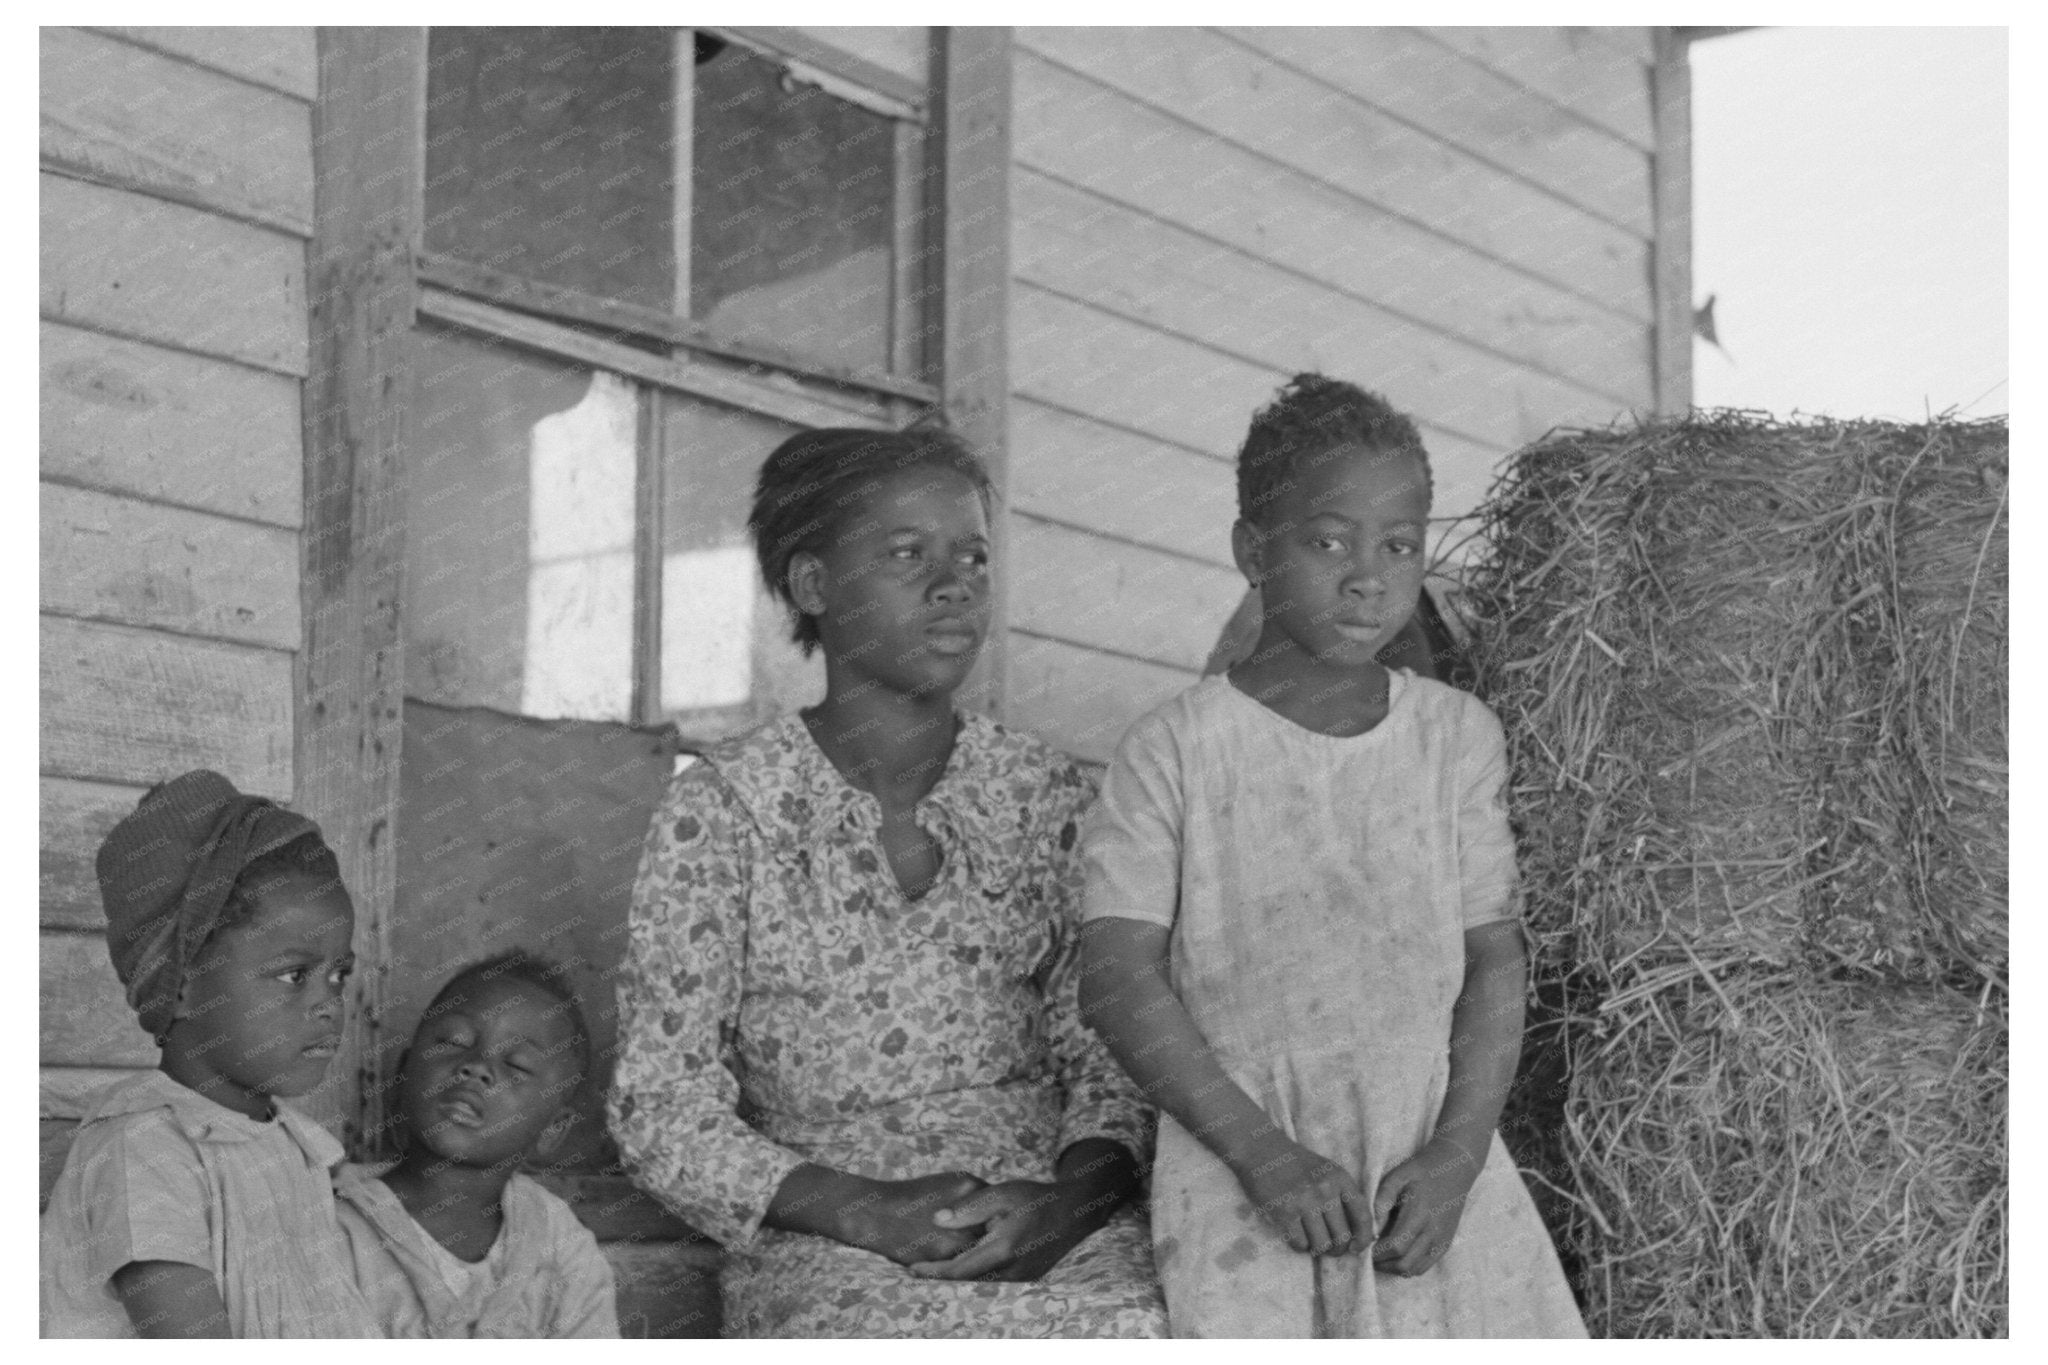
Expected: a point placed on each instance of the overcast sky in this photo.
(1849, 211)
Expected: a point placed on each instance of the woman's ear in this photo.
(1244, 548)
(806, 580)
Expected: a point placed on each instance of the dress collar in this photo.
(790, 787)
(202, 1120)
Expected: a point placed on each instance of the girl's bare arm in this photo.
(171, 1299)
(1125, 997)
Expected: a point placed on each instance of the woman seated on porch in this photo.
(850, 1047)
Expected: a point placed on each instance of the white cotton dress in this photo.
(1318, 889)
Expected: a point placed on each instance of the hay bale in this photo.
(1765, 1154)
(1753, 676)
(1767, 661)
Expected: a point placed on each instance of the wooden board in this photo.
(1571, 67)
(124, 115)
(1079, 132)
(1637, 43)
(1673, 81)
(83, 1018)
(111, 558)
(1068, 468)
(139, 267)
(666, 1289)
(73, 818)
(1075, 243)
(139, 706)
(971, 149)
(1083, 700)
(1471, 107)
(1115, 596)
(1238, 94)
(161, 424)
(345, 713)
(616, 1210)
(1103, 366)
(280, 58)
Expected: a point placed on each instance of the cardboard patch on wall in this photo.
(519, 833)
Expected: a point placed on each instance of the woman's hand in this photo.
(896, 1218)
(1026, 1226)
(1419, 1204)
(1311, 1201)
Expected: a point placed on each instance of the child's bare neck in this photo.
(1341, 703)
(461, 1207)
(178, 1063)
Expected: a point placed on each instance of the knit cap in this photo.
(166, 872)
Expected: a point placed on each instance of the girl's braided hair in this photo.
(812, 480)
(1312, 414)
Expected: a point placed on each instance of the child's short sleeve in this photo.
(1130, 847)
(143, 1194)
(1486, 844)
(588, 1305)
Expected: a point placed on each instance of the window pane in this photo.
(793, 223)
(726, 658)
(519, 549)
(550, 155)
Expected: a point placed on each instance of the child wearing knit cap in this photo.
(192, 1203)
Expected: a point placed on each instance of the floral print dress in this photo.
(783, 1002)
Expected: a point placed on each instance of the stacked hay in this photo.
(1754, 681)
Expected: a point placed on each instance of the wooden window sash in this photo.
(853, 79)
(651, 461)
(706, 377)
(519, 293)
(909, 325)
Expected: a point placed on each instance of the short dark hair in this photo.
(810, 482)
(543, 974)
(1311, 414)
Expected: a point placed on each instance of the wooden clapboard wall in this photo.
(1460, 218)
(176, 201)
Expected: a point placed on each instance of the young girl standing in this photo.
(192, 1203)
(1301, 938)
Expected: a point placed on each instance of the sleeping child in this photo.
(452, 1241)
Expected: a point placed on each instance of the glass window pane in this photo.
(792, 214)
(550, 154)
(519, 548)
(726, 658)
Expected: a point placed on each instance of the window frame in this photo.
(371, 285)
(839, 74)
